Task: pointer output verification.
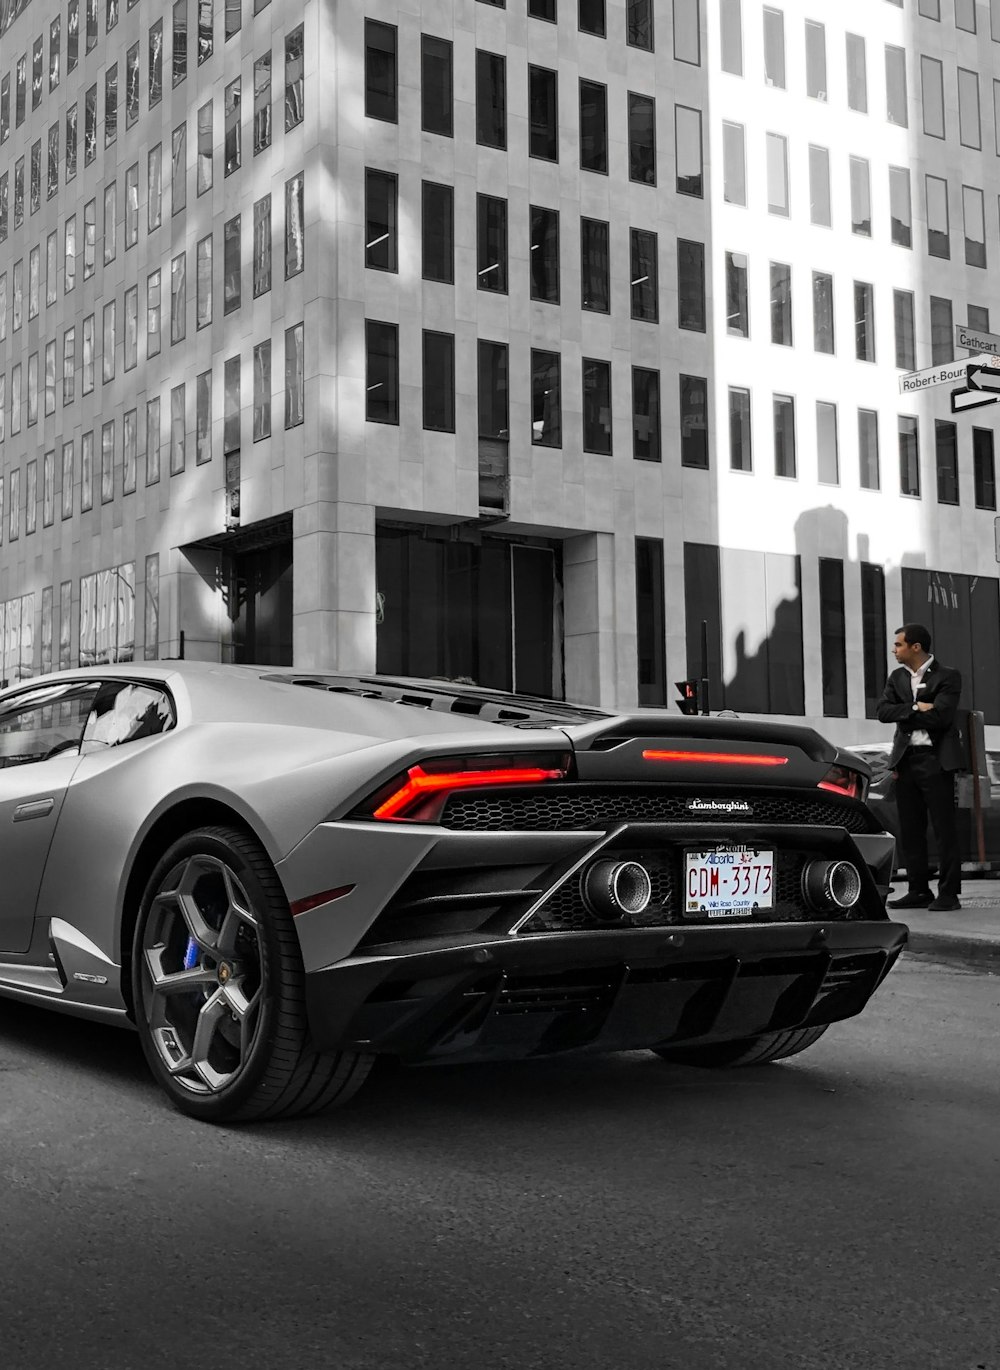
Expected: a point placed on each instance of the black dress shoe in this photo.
(922, 899)
(942, 904)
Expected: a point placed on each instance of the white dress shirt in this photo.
(920, 737)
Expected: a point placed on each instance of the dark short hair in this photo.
(916, 633)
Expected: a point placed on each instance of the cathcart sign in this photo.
(977, 342)
(950, 373)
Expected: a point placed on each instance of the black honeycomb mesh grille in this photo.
(591, 807)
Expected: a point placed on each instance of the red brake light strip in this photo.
(717, 758)
(420, 783)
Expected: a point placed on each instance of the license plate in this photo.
(728, 882)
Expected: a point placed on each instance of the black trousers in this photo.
(924, 790)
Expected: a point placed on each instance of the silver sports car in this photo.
(277, 876)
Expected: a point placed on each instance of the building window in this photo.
(650, 622)
(833, 637)
(180, 41)
(857, 74)
(984, 468)
(50, 377)
(543, 258)
(294, 79)
(777, 174)
(942, 332)
(691, 285)
(932, 93)
(203, 283)
(89, 239)
(734, 163)
(593, 127)
(206, 143)
(203, 418)
(131, 205)
(861, 197)
(543, 114)
(51, 269)
(731, 36)
(262, 390)
(687, 32)
(740, 445)
(644, 276)
(639, 24)
(930, 9)
(262, 246)
(819, 186)
(87, 472)
(262, 103)
(67, 480)
(494, 391)
(643, 143)
(437, 86)
(694, 421)
(131, 328)
(816, 86)
(69, 366)
(295, 242)
(543, 9)
(491, 99)
(969, 129)
(595, 269)
(946, 454)
(90, 126)
(152, 441)
(382, 372)
(827, 446)
(895, 86)
(154, 187)
(591, 17)
(153, 314)
(234, 18)
(34, 271)
(491, 241)
(597, 406)
(71, 143)
(774, 48)
(232, 148)
(231, 404)
(973, 213)
(206, 38)
(873, 634)
(688, 150)
(938, 240)
(978, 318)
(129, 445)
(902, 307)
(69, 254)
(232, 266)
(864, 321)
(178, 298)
(178, 430)
(72, 35)
(784, 436)
(108, 462)
(155, 63)
(52, 181)
(439, 381)
(646, 414)
(380, 220)
(909, 455)
(737, 296)
(438, 232)
(178, 170)
(380, 71)
(900, 211)
(546, 399)
(781, 304)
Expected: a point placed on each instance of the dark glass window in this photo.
(833, 637)
(382, 372)
(232, 271)
(691, 285)
(784, 436)
(737, 296)
(491, 240)
(823, 334)
(645, 414)
(740, 439)
(234, 18)
(873, 633)
(909, 455)
(294, 78)
(543, 261)
(644, 276)
(946, 455)
(902, 307)
(942, 332)
(543, 9)
(231, 400)
(179, 55)
(132, 85)
(546, 399)
(491, 99)
(438, 232)
(72, 35)
(642, 140)
(938, 230)
(688, 151)
(439, 381)
(111, 104)
(650, 622)
(592, 17)
(595, 271)
(593, 126)
(639, 24)
(984, 468)
(380, 220)
(206, 24)
(233, 146)
(380, 71)
(155, 63)
(900, 208)
(37, 66)
(781, 304)
(543, 114)
(596, 406)
(494, 391)
(864, 321)
(436, 86)
(694, 421)
(868, 459)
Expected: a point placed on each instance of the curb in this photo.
(982, 953)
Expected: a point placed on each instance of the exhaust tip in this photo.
(831, 885)
(613, 890)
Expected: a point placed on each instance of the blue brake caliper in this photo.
(191, 954)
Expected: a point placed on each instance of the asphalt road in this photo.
(841, 1210)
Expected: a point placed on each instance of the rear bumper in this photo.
(512, 997)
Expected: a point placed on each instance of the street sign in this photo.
(970, 399)
(947, 373)
(975, 341)
(983, 378)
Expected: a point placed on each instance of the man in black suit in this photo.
(921, 697)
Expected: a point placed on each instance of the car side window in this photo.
(125, 712)
(41, 723)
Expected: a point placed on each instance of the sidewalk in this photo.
(971, 935)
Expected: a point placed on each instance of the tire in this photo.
(748, 1051)
(219, 988)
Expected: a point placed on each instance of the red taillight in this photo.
(419, 795)
(840, 780)
(313, 901)
(717, 758)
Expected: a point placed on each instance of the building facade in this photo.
(537, 343)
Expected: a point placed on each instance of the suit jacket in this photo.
(942, 687)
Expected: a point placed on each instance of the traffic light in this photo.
(688, 702)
